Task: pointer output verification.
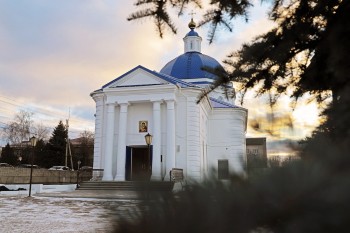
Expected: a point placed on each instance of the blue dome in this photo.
(192, 33)
(189, 66)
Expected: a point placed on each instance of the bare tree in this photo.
(87, 137)
(19, 129)
(86, 147)
(41, 131)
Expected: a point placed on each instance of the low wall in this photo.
(36, 188)
(14, 175)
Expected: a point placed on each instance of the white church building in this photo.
(199, 138)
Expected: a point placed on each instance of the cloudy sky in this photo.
(55, 53)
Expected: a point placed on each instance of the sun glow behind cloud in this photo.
(283, 126)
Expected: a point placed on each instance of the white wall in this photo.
(139, 112)
(227, 139)
(193, 139)
(98, 145)
(181, 133)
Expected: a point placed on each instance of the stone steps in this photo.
(127, 185)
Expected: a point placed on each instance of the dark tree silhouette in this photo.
(8, 156)
(57, 145)
(43, 155)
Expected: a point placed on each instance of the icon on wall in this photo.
(143, 126)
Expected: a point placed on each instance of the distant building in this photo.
(256, 153)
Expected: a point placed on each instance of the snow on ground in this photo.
(54, 214)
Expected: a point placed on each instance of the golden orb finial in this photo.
(192, 24)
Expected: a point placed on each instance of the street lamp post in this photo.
(33, 144)
(148, 139)
(79, 162)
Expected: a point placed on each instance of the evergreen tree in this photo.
(8, 156)
(57, 145)
(302, 54)
(305, 53)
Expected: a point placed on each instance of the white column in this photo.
(170, 156)
(98, 158)
(156, 164)
(121, 154)
(107, 172)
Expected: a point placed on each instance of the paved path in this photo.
(78, 211)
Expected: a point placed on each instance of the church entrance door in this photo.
(138, 164)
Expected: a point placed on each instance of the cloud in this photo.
(55, 53)
(283, 147)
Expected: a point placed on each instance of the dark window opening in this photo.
(223, 169)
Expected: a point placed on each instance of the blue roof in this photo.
(221, 104)
(192, 33)
(165, 77)
(190, 65)
(175, 81)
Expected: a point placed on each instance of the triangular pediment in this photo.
(139, 76)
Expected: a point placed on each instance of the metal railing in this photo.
(89, 175)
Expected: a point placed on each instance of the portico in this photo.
(121, 131)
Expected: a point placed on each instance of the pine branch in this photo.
(140, 14)
(157, 12)
(181, 4)
(224, 11)
(141, 2)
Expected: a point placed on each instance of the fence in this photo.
(14, 175)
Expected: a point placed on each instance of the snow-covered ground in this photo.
(57, 214)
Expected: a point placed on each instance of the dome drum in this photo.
(190, 65)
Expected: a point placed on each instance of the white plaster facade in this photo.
(186, 135)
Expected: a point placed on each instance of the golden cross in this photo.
(192, 13)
